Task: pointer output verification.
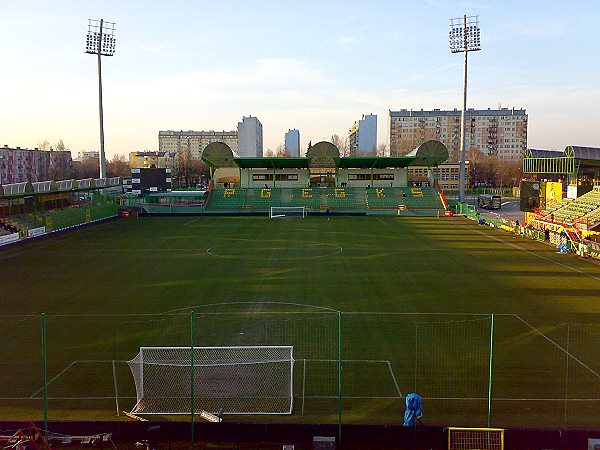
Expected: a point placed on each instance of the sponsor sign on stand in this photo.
(9, 238)
(36, 231)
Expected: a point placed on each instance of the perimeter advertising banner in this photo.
(36, 231)
(551, 193)
(9, 238)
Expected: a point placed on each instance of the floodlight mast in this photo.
(464, 37)
(101, 42)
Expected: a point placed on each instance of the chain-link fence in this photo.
(316, 366)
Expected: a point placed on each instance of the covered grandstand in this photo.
(33, 209)
(324, 181)
(576, 164)
(572, 215)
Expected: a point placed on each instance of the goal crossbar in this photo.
(276, 212)
(231, 379)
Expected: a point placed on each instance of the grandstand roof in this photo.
(537, 153)
(44, 187)
(374, 162)
(272, 163)
(325, 154)
(586, 153)
(568, 161)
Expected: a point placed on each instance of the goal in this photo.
(230, 380)
(475, 438)
(277, 212)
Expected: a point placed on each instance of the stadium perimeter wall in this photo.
(167, 434)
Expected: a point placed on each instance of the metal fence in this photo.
(470, 369)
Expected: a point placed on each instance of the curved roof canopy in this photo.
(219, 154)
(323, 149)
(429, 153)
(325, 154)
(536, 153)
(587, 153)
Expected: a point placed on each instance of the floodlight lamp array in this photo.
(93, 42)
(465, 38)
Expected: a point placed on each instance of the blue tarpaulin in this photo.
(413, 409)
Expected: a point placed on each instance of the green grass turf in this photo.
(416, 294)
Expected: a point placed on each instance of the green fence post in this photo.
(192, 405)
(340, 376)
(45, 374)
(491, 371)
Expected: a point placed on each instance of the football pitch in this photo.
(399, 304)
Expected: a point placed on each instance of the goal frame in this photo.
(273, 209)
(465, 438)
(140, 393)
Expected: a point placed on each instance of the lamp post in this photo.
(464, 37)
(100, 41)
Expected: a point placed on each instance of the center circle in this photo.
(274, 250)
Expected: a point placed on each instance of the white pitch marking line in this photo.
(536, 254)
(192, 221)
(381, 221)
(394, 379)
(303, 384)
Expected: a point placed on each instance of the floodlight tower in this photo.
(464, 37)
(100, 41)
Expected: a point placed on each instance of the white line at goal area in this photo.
(278, 212)
(234, 380)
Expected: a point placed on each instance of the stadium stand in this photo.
(258, 200)
(587, 206)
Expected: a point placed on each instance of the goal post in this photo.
(231, 380)
(460, 438)
(277, 212)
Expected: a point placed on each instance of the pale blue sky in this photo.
(312, 65)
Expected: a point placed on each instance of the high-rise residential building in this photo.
(292, 143)
(362, 136)
(250, 137)
(500, 132)
(18, 165)
(194, 142)
(152, 160)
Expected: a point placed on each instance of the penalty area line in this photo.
(71, 365)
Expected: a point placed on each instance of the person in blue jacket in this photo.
(414, 410)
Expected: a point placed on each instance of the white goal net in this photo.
(287, 211)
(234, 380)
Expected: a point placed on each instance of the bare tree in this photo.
(118, 166)
(60, 146)
(44, 145)
(341, 144)
(280, 151)
(269, 153)
(90, 168)
(382, 150)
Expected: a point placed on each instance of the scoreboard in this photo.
(145, 181)
(530, 196)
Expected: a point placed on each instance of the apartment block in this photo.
(250, 137)
(362, 136)
(194, 142)
(18, 165)
(292, 143)
(447, 174)
(499, 132)
(151, 160)
(87, 154)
